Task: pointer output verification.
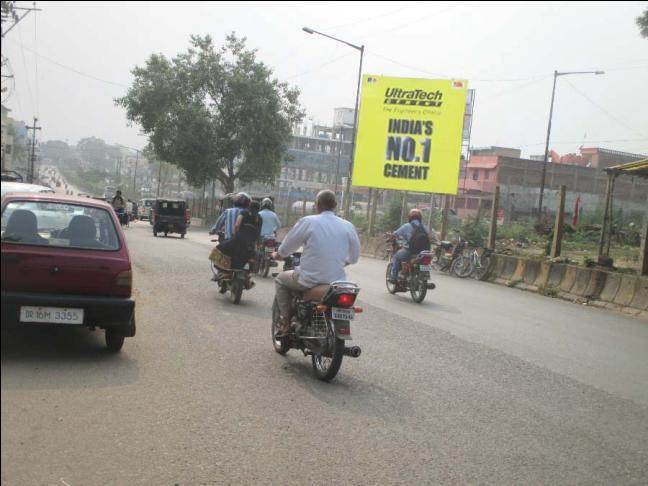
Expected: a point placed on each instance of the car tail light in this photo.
(346, 300)
(124, 282)
(426, 260)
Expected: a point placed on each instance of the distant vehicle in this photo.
(169, 216)
(11, 187)
(144, 208)
(65, 263)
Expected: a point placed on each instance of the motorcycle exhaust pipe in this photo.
(353, 351)
(431, 286)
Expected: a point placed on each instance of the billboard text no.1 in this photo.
(409, 134)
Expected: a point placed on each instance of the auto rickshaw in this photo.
(169, 216)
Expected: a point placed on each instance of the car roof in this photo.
(56, 198)
(13, 187)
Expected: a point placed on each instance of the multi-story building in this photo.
(519, 180)
(318, 157)
(7, 140)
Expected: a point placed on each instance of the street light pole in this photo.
(546, 153)
(347, 189)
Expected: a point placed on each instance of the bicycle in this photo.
(476, 263)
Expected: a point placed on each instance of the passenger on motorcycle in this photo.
(227, 220)
(271, 222)
(240, 247)
(414, 239)
(329, 244)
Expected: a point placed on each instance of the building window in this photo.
(475, 175)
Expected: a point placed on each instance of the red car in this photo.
(65, 263)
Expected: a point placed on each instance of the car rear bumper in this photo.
(103, 312)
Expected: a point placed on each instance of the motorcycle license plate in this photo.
(246, 266)
(425, 268)
(342, 314)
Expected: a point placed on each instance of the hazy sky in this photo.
(507, 51)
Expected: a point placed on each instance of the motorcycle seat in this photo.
(315, 294)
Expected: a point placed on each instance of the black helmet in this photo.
(242, 200)
(266, 203)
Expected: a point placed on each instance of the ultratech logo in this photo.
(415, 97)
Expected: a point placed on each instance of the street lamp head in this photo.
(308, 30)
(599, 72)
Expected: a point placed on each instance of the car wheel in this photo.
(114, 340)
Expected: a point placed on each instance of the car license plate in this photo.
(425, 268)
(342, 314)
(53, 315)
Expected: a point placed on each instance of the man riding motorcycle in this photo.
(271, 222)
(414, 239)
(119, 205)
(329, 244)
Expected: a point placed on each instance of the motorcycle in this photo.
(264, 255)
(320, 326)
(233, 281)
(446, 255)
(413, 276)
(123, 216)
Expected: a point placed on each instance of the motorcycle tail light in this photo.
(426, 260)
(270, 243)
(346, 300)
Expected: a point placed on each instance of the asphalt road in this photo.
(480, 383)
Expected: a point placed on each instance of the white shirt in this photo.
(330, 243)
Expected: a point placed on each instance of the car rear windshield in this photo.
(60, 225)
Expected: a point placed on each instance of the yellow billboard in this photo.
(409, 134)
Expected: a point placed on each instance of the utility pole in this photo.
(546, 153)
(160, 180)
(135, 173)
(32, 158)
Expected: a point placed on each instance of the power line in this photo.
(413, 21)
(63, 66)
(565, 142)
(317, 68)
(22, 51)
(359, 21)
(602, 109)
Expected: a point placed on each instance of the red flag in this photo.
(576, 211)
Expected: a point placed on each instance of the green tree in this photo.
(215, 113)
(58, 152)
(642, 22)
(98, 153)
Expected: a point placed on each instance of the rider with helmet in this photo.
(227, 220)
(271, 222)
(414, 239)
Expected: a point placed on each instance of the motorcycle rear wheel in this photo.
(326, 368)
(418, 290)
(236, 291)
(280, 344)
(266, 268)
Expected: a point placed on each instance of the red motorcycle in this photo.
(264, 261)
(414, 275)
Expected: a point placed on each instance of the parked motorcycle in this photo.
(264, 261)
(413, 276)
(234, 281)
(446, 254)
(320, 326)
